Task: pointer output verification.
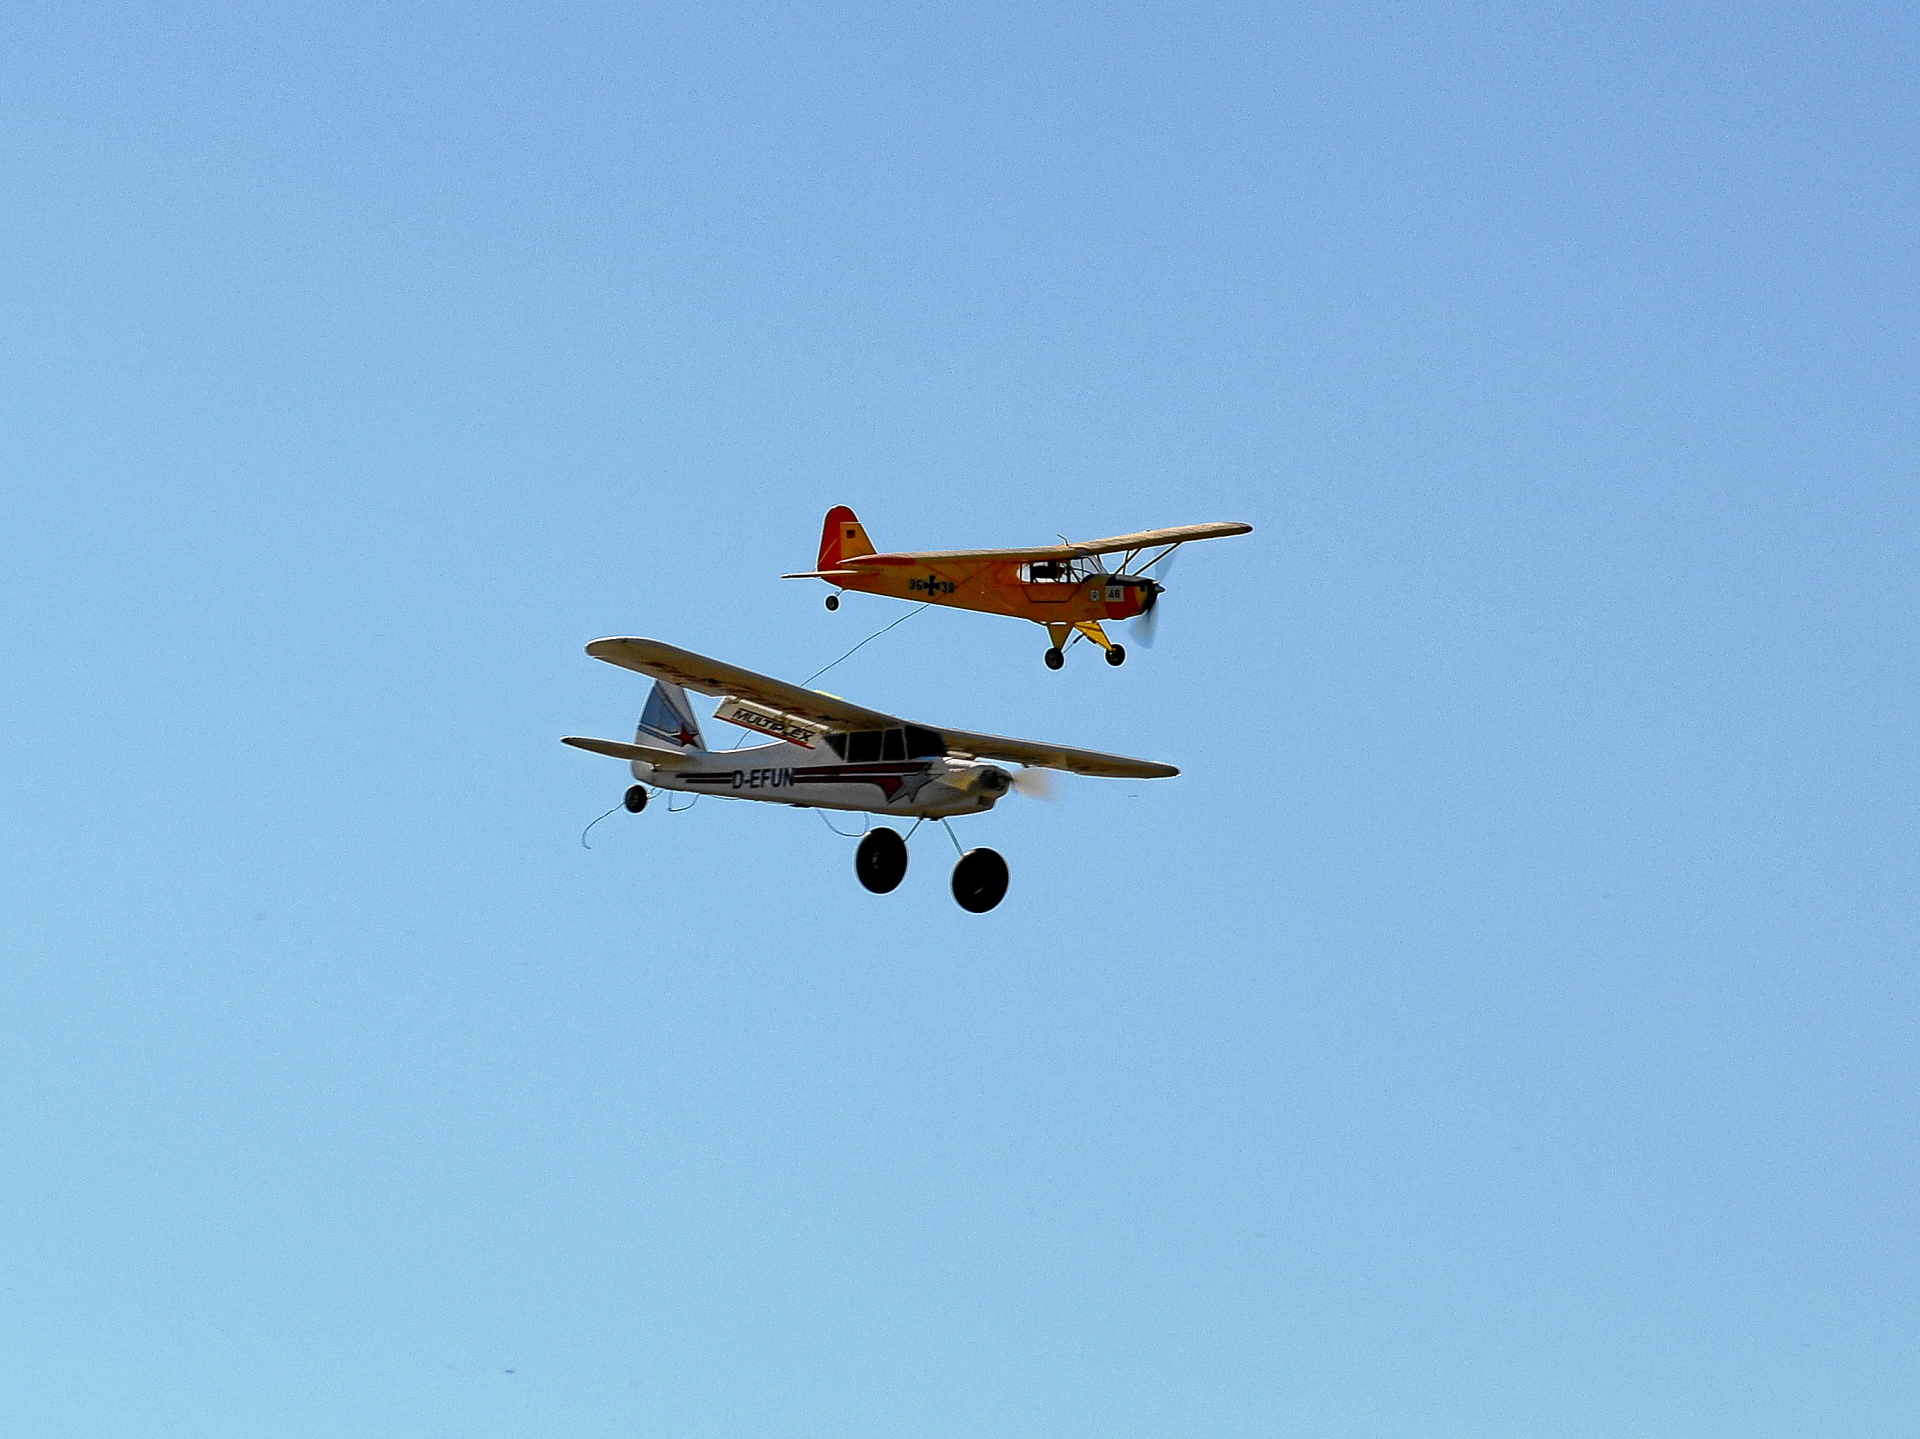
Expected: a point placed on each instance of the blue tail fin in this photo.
(669, 717)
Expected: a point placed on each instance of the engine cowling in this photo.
(986, 780)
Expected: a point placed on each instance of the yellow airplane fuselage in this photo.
(996, 587)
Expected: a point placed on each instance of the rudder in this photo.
(843, 537)
(669, 716)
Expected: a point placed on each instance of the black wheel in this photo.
(1116, 655)
(1055, 659)
(979, 880)
(833, 602)
(636, 799)
(881, 861)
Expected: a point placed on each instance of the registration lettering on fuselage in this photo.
(773, 777)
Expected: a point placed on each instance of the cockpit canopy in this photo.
(1049, 572)
(1073, 571)
(868, 745)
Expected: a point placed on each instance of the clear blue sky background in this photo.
(1504, 1026)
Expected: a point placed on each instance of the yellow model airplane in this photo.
(1067, 587)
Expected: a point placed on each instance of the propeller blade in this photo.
(1148, 625)
(1034, 783)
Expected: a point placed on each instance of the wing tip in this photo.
(612, 645)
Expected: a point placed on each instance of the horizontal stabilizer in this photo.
(645, 753)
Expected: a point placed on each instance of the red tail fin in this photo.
(842, 538)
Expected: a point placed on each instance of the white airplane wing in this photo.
(715, 677)
(1053, 756)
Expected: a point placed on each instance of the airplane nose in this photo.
(1149, 617)
(988, 781)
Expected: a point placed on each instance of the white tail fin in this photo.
(669, 717)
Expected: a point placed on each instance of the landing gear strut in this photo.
(881, 861)
(636, 799)
(979, 880)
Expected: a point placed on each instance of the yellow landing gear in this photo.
(1063, 634)
(1116, 654)
(1059, 634)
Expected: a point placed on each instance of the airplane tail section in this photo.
(842, 538)
(669, 717)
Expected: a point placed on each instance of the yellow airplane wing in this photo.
(1144, 540)
(715, 677)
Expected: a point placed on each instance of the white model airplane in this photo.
(829, 754)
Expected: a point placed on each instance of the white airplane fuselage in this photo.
(932, 787)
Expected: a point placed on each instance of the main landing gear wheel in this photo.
(636, 799)
(833, 602)
(881, 861)
(1055, 659)
(979, 880)
(1116, 655)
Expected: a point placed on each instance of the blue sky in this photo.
(1504, 1025)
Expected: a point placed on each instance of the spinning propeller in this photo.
(1034, 783)
(1148, 624)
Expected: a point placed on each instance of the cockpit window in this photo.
(1050, 572)
(869, 745)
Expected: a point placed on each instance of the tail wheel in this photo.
(833, 602)
(979, 880)
(1055, 659)
(636, 799)
(881, 861)
(1116, 655)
